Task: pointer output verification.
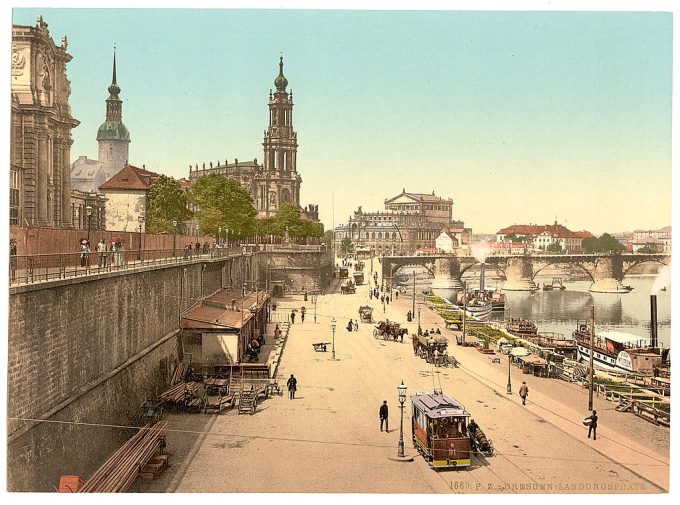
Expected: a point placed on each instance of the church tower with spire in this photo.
(113, 137)
(280, 152)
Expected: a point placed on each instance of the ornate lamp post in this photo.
(219, 235)
(418, 316)
(509, 386)
(314, 299)
(402, 398)
(88, 211)
(140, 219)
(333, 325)
(174, 237)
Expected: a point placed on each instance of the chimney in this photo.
(653, 323)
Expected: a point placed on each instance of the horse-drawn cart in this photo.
(389, 330)
(424, 346)
(366, 314)
(349, 288)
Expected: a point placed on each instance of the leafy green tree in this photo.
(167, 202)
(649, 249)
(265, 226)
(223, 203)
(346, 245)
(554, 247)
(288, 217)
(604, 243)
(328, 237)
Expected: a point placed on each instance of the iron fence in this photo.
(46, 267)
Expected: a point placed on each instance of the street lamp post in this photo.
(333, 324)
(140, 218)
(88, 210)
(226, 237)
(174, 237)
(402, 398)
(219, 235)
(314, 298)
(418, 316)
(509, 386)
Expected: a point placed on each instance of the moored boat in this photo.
(617, 350)
(521, 327)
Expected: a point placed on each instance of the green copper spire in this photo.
(114, 89)
(281, 82)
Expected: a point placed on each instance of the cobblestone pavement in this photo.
(328, 440)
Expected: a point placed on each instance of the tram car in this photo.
(440, 430)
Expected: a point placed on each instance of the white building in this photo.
(446, 242)
(126, 194)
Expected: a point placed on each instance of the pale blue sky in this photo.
(519, 117)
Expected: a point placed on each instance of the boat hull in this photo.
(602, 360)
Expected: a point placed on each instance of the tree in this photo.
(288, 217)
(649, 249)
(167, 202)
(265, 226)
(346, 245)
(554, 247)
(328, 237)
(223, 203)
(605, 243)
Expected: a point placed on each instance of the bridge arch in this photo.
(557, 263)
(498, 269)
(628, 267)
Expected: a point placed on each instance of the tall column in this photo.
(65, 147)
(41, 197)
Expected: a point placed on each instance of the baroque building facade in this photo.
(276, 181)
(410, 222)
(41, 124)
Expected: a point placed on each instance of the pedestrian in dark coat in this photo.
(292, 386)
(349, 325)
(302, 317)
(383, 416)
(523, 393)
(593, 425)
(292, 318)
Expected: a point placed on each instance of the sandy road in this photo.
(328, 438)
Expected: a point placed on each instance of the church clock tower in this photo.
(282, 182)
(113, 136)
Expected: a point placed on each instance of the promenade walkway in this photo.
(328, 438)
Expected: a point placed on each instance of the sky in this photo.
(519, 117)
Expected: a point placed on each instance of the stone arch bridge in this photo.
(605, 270)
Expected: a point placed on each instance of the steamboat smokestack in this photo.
(653, 324)
(481, 278)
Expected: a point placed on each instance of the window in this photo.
(14, 196)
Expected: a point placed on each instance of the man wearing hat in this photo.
(383, 416)
(592, 428)
(523, 393)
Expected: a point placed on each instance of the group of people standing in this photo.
(107, 254)
(352, 325)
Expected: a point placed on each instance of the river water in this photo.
(560, 311)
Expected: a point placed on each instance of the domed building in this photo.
(114, 142)
(113, 136)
